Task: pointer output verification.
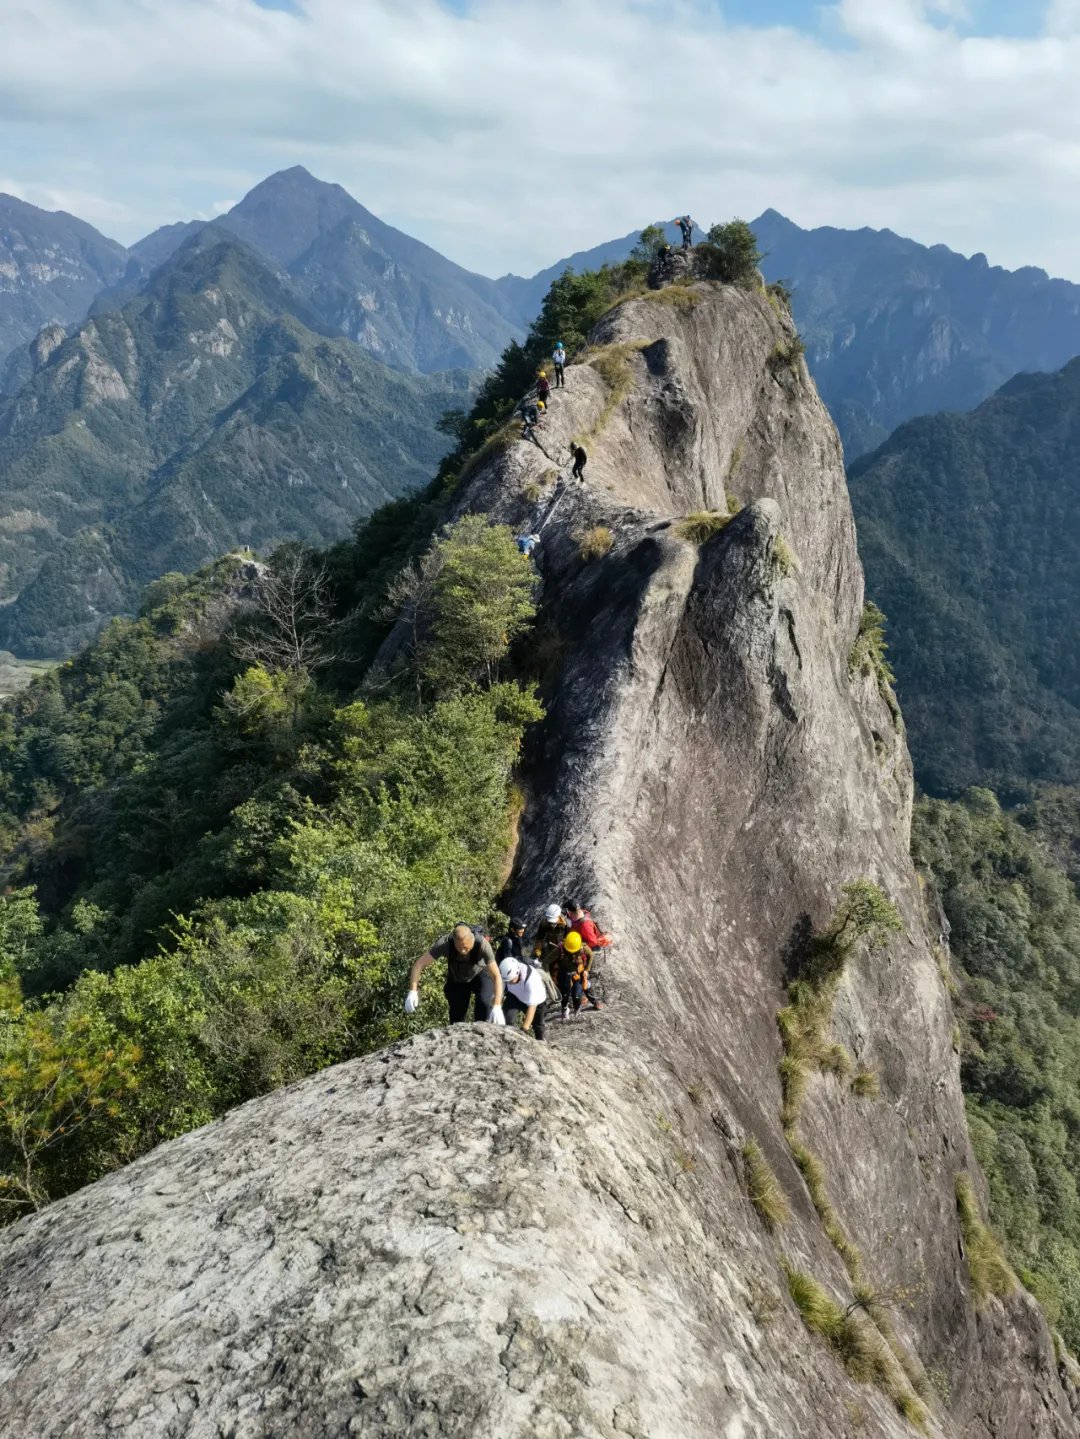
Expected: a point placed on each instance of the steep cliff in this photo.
(471, 1234)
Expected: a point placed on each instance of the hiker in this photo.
(543, 387)
(687, 226)
(526, 993)
(582, 921)
(580, 458)
(558, 359)
(549, 937)
(526, 544)
(531, 413)
(510, 946)
(468, 956)
(572, 975)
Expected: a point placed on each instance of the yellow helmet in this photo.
(543, 374)
(572, 942)
(540, 405)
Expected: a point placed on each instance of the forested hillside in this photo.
(969, 529)
(1008, 886)
(216, 839)
(207, 412)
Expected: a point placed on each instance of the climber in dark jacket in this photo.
(580, 458)
(549, 936)
(510, 946)
(687, 226)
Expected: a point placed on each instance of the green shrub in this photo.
(786, 355)
(857, 1343)
(702, 525)
(763, 1187)
(649, 244)
(730, 253)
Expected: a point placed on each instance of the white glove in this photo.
(496, 1016)
(412, 1001)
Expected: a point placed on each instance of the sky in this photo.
(509, 134)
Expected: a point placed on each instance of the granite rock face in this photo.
(472, 1234)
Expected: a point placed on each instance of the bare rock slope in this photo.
(472, 1234)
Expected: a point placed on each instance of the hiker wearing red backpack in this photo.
(582, 921)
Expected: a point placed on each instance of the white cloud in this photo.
(522, 132)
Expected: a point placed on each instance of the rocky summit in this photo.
(681, 1219)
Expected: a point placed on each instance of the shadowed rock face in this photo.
(472, 1234)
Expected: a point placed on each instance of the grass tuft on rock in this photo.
(785, 560)
(702, 525)
(612, 364)
(866, 1084)
(596, 543)
(856, 1342)
(991, 1275)
(763, 1187)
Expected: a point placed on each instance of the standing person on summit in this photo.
(687, 226)
(468, 955)
(558, 359)
(543, 388)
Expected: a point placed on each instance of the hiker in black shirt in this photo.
(468, 956)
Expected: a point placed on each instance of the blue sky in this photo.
(508, 135)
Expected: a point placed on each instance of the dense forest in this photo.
(1008, 885)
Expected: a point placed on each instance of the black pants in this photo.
(458, 996)
(579, 470)
(573, 991)
(560, 378)
(512, 1005)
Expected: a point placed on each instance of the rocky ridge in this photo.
(473, 1234)
(51, 267)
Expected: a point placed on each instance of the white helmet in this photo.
(553, 914)
(507, 967)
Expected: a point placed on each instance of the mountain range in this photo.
(893, 328)
(278, 372)
(210, 411)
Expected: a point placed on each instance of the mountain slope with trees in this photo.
(969, 529)
(240, 832)
(208, 412)
(895, 329)
(404, 302)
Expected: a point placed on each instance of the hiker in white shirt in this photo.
(525, 993)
